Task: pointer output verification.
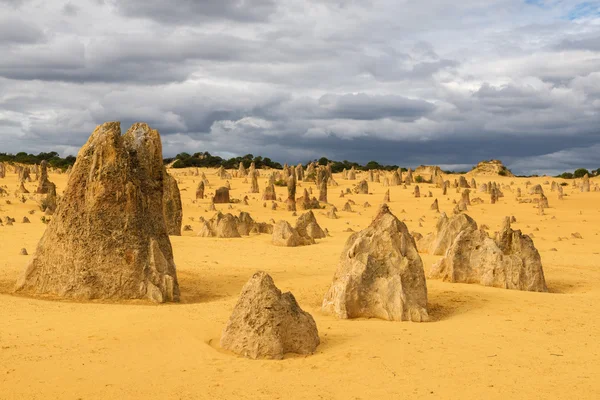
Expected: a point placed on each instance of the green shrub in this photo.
(580, 173)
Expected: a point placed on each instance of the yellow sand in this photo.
(482, 343)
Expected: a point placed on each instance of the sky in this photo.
(433, 82)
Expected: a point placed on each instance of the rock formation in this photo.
(465, 197)
(543, 201)
(307, 226)
(511, 261)
(287, 236)
(222, 173)
(172, 207)
(462, 182)
(331, 214)
(362, 187)
(380, 274)
(299, 173)
(230, 226)
(351, 174)
(254, 182)
(242, 173)
(585, 183)
(491, 168)
(447, 229)
(269, 193)
(347, 207)
(409, 177)
(49, 202)
(493, 196)
(221, 196)
(200, 191)
(323, 188)
(267, 324)
(24, 173)
(22, 189)
(537, 189)
(291, 189)
(43, 183)
(433, 172)
(108, 238)
(395, 180)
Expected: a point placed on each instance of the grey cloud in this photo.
(19, 31)
(435, 82)
(510, 98)
(13, 3)
(192, 11)
(70, 9)
(591, 43)
(363, 106)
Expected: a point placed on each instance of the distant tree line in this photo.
(54, 160)
(207, 160)
(339, 166)
(579, 173)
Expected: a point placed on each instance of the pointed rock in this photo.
(380, 274)
(116, 188)
(267, 324)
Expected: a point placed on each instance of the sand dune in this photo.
(481, 342)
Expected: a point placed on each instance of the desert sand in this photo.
(480, 342)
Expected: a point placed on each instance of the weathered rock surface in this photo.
(491, 168)
(362, 187)
(221, 196)
(172, 207)
(200, 191)
(266, 323)
(44, 184)
(229, 226)
(380, 274)
(286, 236)
(447, 229)
(511, 261)
(108, 238)
(307, 225)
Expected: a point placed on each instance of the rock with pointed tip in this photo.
(266, 323)
(380, 274)
(286, 236)
(172, 208)
(307, 226)
(111, 213)
(509, 261)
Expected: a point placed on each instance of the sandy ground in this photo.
(481, 343)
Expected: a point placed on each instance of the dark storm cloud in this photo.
(363, 106)
(423, 83)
